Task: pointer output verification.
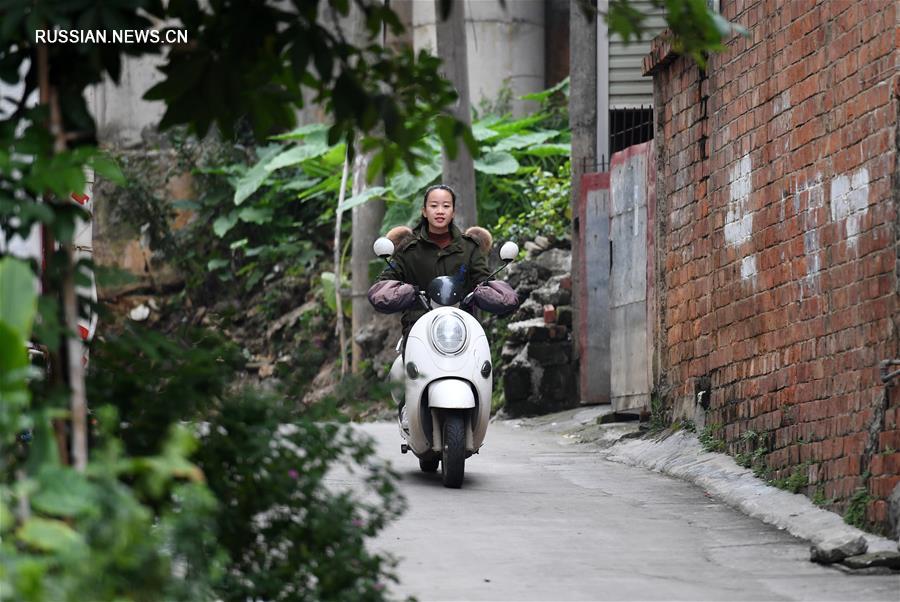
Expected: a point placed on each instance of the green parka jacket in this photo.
(417, 261)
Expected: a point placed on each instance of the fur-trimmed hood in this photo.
(417, 261)
(401, 236)
(482, 237)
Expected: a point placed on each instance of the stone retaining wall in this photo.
(538, 374)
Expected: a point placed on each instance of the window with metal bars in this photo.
(628, 127)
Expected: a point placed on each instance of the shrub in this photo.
(855, 514)
(711, 438)
(154, 379)
(113, 532)
(797, 480)
(290, 534)
(285, 532)
(546, 196)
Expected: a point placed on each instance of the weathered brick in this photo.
(881, 487)
(798, 316)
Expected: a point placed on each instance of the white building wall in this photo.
(120, 112)
(505, 47)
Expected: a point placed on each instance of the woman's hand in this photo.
(391, 296)
(496, 297)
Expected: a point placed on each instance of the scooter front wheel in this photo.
(453, 459)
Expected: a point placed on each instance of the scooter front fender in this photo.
(450, 394)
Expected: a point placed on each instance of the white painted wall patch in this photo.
(850, 202)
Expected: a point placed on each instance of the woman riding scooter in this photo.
(436, 247)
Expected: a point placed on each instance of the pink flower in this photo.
(378, 587)
(293, 474)
(357, 522)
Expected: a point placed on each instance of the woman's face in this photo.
(438, 210)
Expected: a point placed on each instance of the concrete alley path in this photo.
(539, 520)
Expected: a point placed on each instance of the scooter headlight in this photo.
(448, 333)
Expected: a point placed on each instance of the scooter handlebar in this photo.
(423, 300)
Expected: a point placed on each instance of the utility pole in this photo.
(366, 225)
(368, 216)
(459, 173)
(583, 121)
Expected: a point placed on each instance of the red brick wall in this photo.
(778, 241)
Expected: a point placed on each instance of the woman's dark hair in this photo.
(439, 187)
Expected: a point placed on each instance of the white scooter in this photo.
(445, 375)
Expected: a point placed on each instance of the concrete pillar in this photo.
(404, 11)
(459, 172)
(556, 41)
(505, 48)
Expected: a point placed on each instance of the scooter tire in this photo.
(428, 465)
(453, 459)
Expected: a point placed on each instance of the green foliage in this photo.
(797, 480)
(18, 305)
(509, 200)
(753, 453)
(388, 95)
(282, 533)
(498, 333)
(153, 379)
(328, 294)
(283, 53)
(659, 415)
(271, 209)
(818, 497)
(856, 511)
(820, 500)
(138, 523)
(547, 208)
(238, 249)
(289, 536)
(101, 514)
(498, 399)
(96, 515)
(711, 438)
(758, 462)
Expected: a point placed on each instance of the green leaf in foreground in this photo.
(254, 178)
(63, 492)
(548, 150)
(106, 167)
(18, 300)
(224, 223)
(315, 147)
(497, 163)
(217, 264)
(525, 140)
(48, 535)
(406, 184)
(359, 199)
(256, 215)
